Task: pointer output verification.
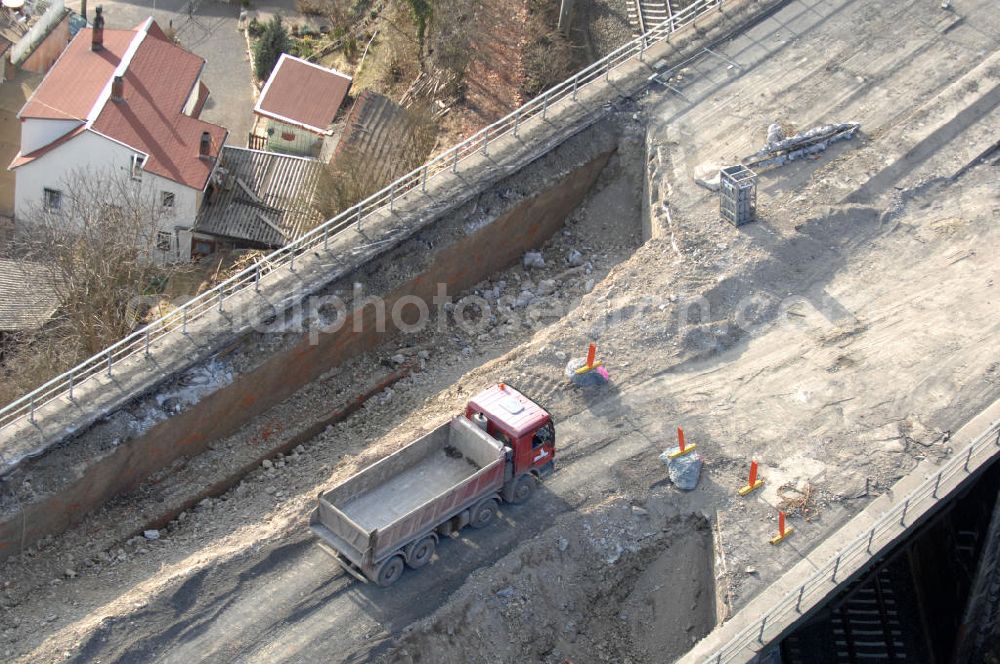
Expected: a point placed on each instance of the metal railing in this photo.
(212, 300)
(856, 554)
(25, 46)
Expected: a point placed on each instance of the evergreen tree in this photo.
(421, 13)
(272, 43)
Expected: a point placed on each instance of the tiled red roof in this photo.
(158, 80)
(302, 93)
(76, 80)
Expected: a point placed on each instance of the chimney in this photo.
(205, 147)
(97, 35)
(118, 89)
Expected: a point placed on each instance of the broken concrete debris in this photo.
(775, 134)
(684, 471)
(533, 259)
(707, 176)
(803, 144)
(589, 371)
(593, 378)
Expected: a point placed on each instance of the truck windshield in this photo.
(544, 435)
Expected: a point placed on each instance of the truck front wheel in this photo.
(390, 571)
(523, 488)
(484, 513)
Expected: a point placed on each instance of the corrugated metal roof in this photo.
(27, 297)
(262, 198)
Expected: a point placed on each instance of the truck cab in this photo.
(526, 430)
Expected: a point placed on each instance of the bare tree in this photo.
(99, 245)
(548, 57)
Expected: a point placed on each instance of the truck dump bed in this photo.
(375, 512)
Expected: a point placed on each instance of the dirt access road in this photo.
(837, 341)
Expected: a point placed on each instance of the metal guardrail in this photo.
(177, 320)
(855, 554)
(25, 46)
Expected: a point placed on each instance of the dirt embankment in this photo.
(619, 583)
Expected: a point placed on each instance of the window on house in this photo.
(164, 240)
(52, 199)
(135, 169)
(202, 247)
(167, 199)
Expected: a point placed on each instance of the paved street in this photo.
(210, 30)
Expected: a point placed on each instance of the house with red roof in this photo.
(121, 103)
(299, 103)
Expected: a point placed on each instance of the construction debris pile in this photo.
(780, 150)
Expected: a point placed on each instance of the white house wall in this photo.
(37, 133)
(91, 153)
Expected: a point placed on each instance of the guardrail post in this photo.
(184, 320)
(871, 536)
(576, 84)
(146, 342)
(291, 262)
(968, 458)
(454, 163)
(423, 180)
(998, 437)
(392, 196)
(545, 106)
(486, 141)
(110, 360)
(326, 238)
(836, 568)
(517, 121)
(31, 413)
(798, 602)
(70, 386)
(256, 272)
(220, 300)
(358, 221)
(906, 506)
(937, 483)
(607, 71)
(760, 636)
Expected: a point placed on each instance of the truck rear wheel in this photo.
(484, 513)
(421, 553)
(390, 571)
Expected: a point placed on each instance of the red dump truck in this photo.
(392, 513)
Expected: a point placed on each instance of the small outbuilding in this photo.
(299, 103)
